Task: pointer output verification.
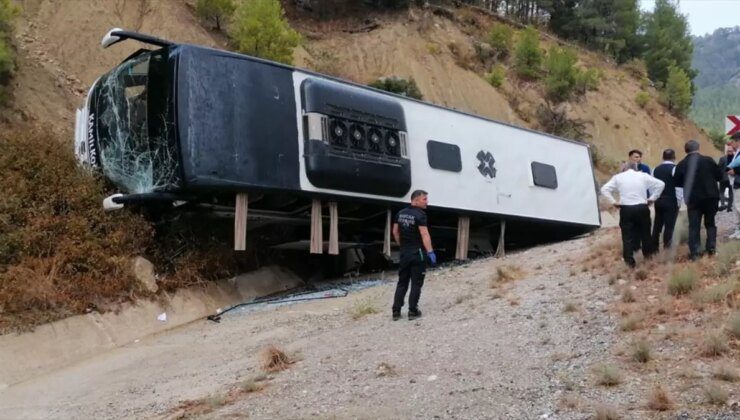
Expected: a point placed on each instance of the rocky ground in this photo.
(519, 337)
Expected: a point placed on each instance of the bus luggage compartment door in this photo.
(355, 140)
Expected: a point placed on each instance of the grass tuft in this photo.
(505, 274)
(683, 281)
(715, 394)
(715, 344)
(631, 323)
(641, 351)
(627, 296)
(659, 399)
(273, 359)
(733, 325)
(362, 308)
(725, 372)
(604, 412)
(607, 375)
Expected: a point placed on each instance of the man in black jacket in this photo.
(666, 206)
(698, 175)
(412, 235)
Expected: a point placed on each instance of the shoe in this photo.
(694, 257)
(396, 316)
(720, 208)
(630, 263)
(729, 209)
(413, 314)
(711, 252)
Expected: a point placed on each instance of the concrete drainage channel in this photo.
(53, 346)
(324, 290)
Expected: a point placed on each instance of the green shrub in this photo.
(260, 29)
(587, 80)
(527, 56)
(500, 38)
(404, 87)
(496, 76)
(7, 66)
(561, 74)
(682, 282)
(642, 99)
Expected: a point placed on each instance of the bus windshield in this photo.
(132, 114)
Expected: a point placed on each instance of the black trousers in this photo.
(706, 209)
(666, 213)
(634, 222)
(725, 185)
(412, 269)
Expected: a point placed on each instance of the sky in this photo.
(705, 15)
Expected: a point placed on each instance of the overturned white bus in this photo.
(188, 127)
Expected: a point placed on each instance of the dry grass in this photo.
(659, 399)
(385, 370)
(462, 298)
(715, 394)
(253, 384)
(631, 323)
(725, 372)
(727, 255)
(714, 344)
(718, 293)
(640, 351)
(272, 359)
(733, 325)
(683, 281)
(570, 307)
(607, 375)
(569, 401)
(641, 275)
(604, 412)
(362, 308)
(627, 296)
(59, 252)
(505, 274)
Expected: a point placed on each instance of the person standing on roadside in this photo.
(699, 175)
(725, 202)
(734, 171)
(635, 156)
(667, 205)
(634, 214)
(412, 235)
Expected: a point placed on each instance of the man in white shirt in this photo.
(634, 214)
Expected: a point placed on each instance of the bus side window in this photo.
(544, 175)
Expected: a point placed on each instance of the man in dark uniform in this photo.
(666, 206)
(699, 175)
(411, 233)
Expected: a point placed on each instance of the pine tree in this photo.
(528, 57)
(260, 29)
(668, 42)
(215, 10)
(678, 91)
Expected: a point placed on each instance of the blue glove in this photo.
(432, 257)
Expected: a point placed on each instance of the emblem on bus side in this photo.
(486, 164)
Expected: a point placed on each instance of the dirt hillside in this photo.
(60, 56)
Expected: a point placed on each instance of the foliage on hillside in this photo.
(259, 28)
(59, 253)
(8, 11)
(717, 58)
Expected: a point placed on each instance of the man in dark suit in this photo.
(666, 206)
(698, 175)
